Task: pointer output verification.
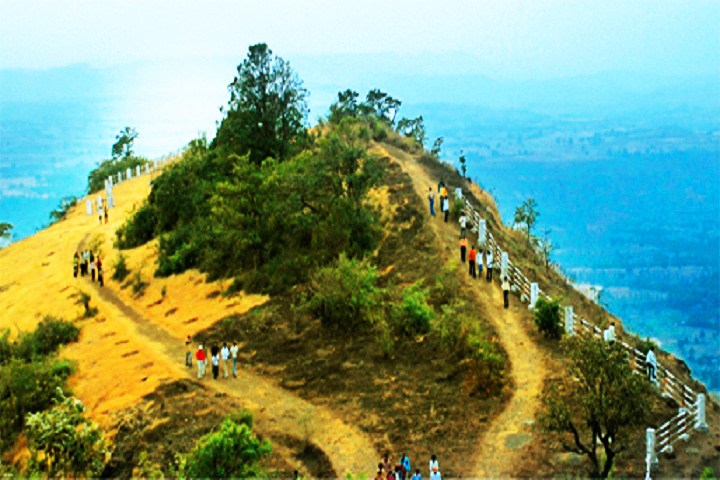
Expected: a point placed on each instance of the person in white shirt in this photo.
(506, 291)
(224, 355)
(233, 354)
(435, 474)
(463, 224)
(489, 265)
(609, 333)
(651, 363)
(433, 464)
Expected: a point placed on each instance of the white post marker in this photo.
(137, 171)
(110, 180)
(504, 265)
(88, 207)
(482, 233)
(128, 174)
(534, 294)
(700, 421)
(650, 453)
(110, 199)
(569, 321)
(458, 192)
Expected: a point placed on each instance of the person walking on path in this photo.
(101, 279)
(188, 352)
(100, 215)
(76, 264)
(463, 249)
(431, 198)
(435, 474)
(441, 185)
(201, 361)
(224, 355)
(463, 225)
(471, 261)
(92, 266)
(416, 475)
(506, 291)
(233, 353)
(609, 333)
(433, 463)
(479, 263)
(106, 215)
(445, 207)
(215, 359)
(651, 363)
(489, 259)
(405, 462)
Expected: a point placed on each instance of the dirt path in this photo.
(276, 410)
(501, 448)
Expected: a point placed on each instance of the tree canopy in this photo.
(527, 214)
(267, 110)
(5, 230)
(124, 143)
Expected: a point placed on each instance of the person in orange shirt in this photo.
(463, 249)
(472, 255)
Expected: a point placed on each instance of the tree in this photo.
(267, 111)
(5, 229)
(437, 145)
(527, 214)
(600, 401)
(346, 105)
(463, 164)
(124, 143)
(547, 317)
(63, 442)
(232, 452)
(382, 105)
(66, 203)
(414, 128)
(545, 246)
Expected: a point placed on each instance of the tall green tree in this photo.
(600, 402)
(382, 105)
(267, 111)
(527, 214)
(414, 128)
(437, 146)
(463, 164)
(5, 230)
(124, 143)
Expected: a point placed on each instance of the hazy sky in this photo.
(538, 38)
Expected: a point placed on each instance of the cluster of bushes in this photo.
(346, 295)
(112, 167)
(30, 374)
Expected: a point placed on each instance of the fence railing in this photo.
(691, 414)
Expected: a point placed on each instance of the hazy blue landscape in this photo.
(625, 171)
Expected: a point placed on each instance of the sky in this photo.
(515, 40)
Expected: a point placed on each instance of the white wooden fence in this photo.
(691, 414)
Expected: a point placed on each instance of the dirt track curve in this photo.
(502, 447)
(276, 410)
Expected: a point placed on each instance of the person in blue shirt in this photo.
(405, 463)
(416, 475)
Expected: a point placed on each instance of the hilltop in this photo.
(359, 330)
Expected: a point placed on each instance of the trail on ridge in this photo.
(501, 447)
(275, 410)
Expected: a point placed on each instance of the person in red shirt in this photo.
(201, 361)
(472, 255)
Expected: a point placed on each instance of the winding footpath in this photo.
(500, 450)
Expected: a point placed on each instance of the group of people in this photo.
(103, 213)
(86, 263)
(444, 201)
(402, 470)
(219, 356)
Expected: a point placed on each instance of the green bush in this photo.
(485, 376)
(452, 326)
(345, 294)
(121, 270)
(457, 207)
(547, 317)
(6, 348)
(645, 345)
(97, 176)
(413, 315)
(138, 284)
(49, 335)
(27, 387)
(139, 228)
(232, 452)
(178, 252)
(447, 284)
(707, 474)
(63, 443)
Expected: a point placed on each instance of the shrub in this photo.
(413, 315)
(707, 474)
(139, 228)
(27, 387)
(645, 345)
(547, 317)
(232, 452)
(452, 326)
(138, 284)
(49, 335)
(345, 293)
(83, 298)
(121, 269)
(62, 442)
(457, 207)
(6, 348)
(178, 252)
(485, 376)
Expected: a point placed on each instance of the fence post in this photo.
(128, 173)
(700, 421)
(482, 233)
(110, 199)
(88, 207)
(534, 294)
(137, 171)
(569, 321)
(650, 453)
